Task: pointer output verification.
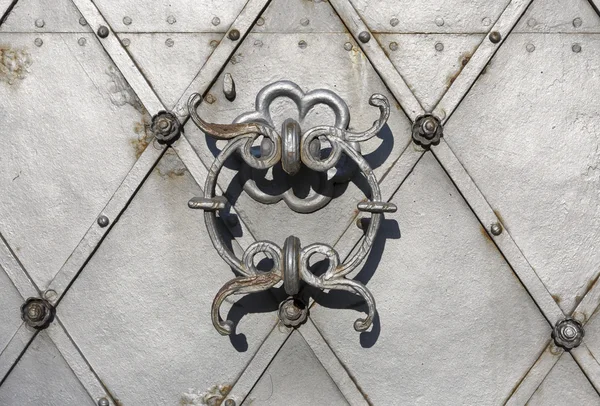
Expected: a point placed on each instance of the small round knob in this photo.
(103, 31)
(427, 130)
(292, 312)
(37, 313)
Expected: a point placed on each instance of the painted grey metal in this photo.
(434, 57)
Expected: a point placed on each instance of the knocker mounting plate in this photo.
(294, 149)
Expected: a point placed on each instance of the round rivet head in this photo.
(439, 21)
(577, 22)
(216, 21)
(394, 22)
(82, 21)
(530, 47)
(348, 46)
(38, 42)
(103, 221)
(393, 46)
(234, 35)
(103, 31)
(103, 402)
(439, 47)
(171, 19)
(302, 44)
(169, 42)
(496, 229)
(568, 333)
(229, 402)
(576, 48)
(495, 37)
(127, 20)
(39, 23)
(37, 313)
(364, 37)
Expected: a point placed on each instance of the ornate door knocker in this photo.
(293, 148)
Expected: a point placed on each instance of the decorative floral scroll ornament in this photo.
(292, 148)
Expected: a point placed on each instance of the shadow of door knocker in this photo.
(293, 148)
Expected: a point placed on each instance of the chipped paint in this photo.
(120, 92)
(214, 396)
(143, 134)
(170, 165)
(14, 64)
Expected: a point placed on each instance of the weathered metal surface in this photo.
(480, 338)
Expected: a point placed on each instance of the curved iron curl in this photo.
(249, 131)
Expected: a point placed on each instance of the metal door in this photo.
(494, 245)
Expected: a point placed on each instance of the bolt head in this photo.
(495, 37)
(234, 35)
(496, 229)
(37, 313)
(166, 127)
(427, 130)
(568, 333)
(364, 37)
(103, 402)
(103, 221)
(293, 312)
(103, 31)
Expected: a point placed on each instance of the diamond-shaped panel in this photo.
(455, 326)
(295, 377)
(565, 385)
(43, 377)
(527, 134)
(73, 129)
(329, 60)
(140, 309)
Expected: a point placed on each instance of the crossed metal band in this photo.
(290, 264)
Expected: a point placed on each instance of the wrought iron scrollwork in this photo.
(292, 148)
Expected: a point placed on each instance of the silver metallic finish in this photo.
(348, 46)
(229, 402)
(427, 130)
(208, 204)
(171, 20)
(577, 22)
(377, 207)
(496, 229)
(234, 35)
(103, 31)
(82, 41)
(394, 22)
(292, 312)
(568, 333)
(530, 47)
(290, 144)
(393, 46)
(216, 21)
(103, 402)
(495, 37)
(169, 42)
(39, 23)
(229, 87)
(439, 21)
(166, 127)
(82, 21)
(302, 44)
(291, 266)
(103, 221)
(304, 22)
(364, 37)
(127, 20)
(37, 313)
(439, 46)
(241, 136)
(126, 42)
(576, 48)
(38, 42)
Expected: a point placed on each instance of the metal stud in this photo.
(38, 42)
(293, 312)
(394, 22)
(577, 22)
(127, 20)
(530, 47)
(82, 21)
(229, 402)
(234, 35)
(169, 42)
(229, 87)
(216, 21)
(302, 44)
(260, 22)
(496, 229)
(576, 48)
(495, 37)
(37, 313)
(427, 130)
(364, 37)
(348, 46)
(304, 22)
(394, 46)
(171, 20)
(103, 402)
(568, 333)
(166, 127)
(439, 47)
(103, 221)
(103, 31)
(439, 21)
(82, 41)
(39, 23)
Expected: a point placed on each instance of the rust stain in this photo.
(170, 165)
(14, 64)
(464, 60)
(557, 298)
(500, 219)
(143, 134)
(214, 396)
(485, 234)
